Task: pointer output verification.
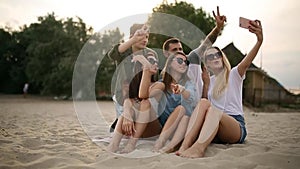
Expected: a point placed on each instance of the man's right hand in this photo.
(220, 19)
(140, 34)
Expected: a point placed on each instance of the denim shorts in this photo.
(241, 121)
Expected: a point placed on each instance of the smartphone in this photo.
(244, 22)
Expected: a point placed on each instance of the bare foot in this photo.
(158, 145)
(112, 148)
(195, 151)
(170, 148)
(130, 146)
(181, 149)
(167, 149)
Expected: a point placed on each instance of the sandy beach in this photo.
(42, 133)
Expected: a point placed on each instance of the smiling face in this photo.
(142, 43)
(214, 59)
(179, 63)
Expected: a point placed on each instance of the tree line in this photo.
(44, 53)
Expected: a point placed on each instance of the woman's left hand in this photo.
(255, 27)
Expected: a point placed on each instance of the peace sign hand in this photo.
(140, 34)
(220, 19)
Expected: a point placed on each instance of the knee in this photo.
(181, 110)
(145, 103)
(204, 103)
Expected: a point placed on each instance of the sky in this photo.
(279, 55)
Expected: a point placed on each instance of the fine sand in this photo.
(44, 133)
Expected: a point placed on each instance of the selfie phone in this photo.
(244, 22)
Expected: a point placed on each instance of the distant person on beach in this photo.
(134, 122)
(220, 118)
(139, 35)
(25, 89)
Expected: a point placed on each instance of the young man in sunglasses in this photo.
(201, 79)
(122, 54)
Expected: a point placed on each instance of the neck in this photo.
(135, 49)
(217, 71)
(176, 76)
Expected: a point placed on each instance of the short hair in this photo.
(135, 27)
(168, 42)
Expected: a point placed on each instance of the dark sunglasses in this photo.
(213, 56)
(180, 61)
(152, 61)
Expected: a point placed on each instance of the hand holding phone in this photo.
(244, 22)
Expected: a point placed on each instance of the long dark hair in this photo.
(167, 78)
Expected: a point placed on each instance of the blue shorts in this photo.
(241, 121)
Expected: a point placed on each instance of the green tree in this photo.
(93, 72)
(12, 62)
(52, 51)
(107, 67)
(5, 58)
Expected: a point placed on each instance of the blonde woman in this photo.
(221, 117)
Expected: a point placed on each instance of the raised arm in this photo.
(256, 28)
(139, 35)
(146, 86)
(213, 35)
(147, 89)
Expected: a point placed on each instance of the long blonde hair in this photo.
(221, 81)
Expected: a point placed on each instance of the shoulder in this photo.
(193, 57)
(158, 85)
(235, 73)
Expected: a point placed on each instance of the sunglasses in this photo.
(152, 61)
(180, 61)
(213, 56)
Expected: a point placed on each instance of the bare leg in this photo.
(207, 134)
(178, 136)
(119, 131)
(169, 127)
(117, 137)
(142, 119)
(195, 124)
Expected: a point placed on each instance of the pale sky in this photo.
(279, 55)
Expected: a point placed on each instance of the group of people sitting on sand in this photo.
(195, 100)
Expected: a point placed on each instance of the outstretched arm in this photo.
(256, 28)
